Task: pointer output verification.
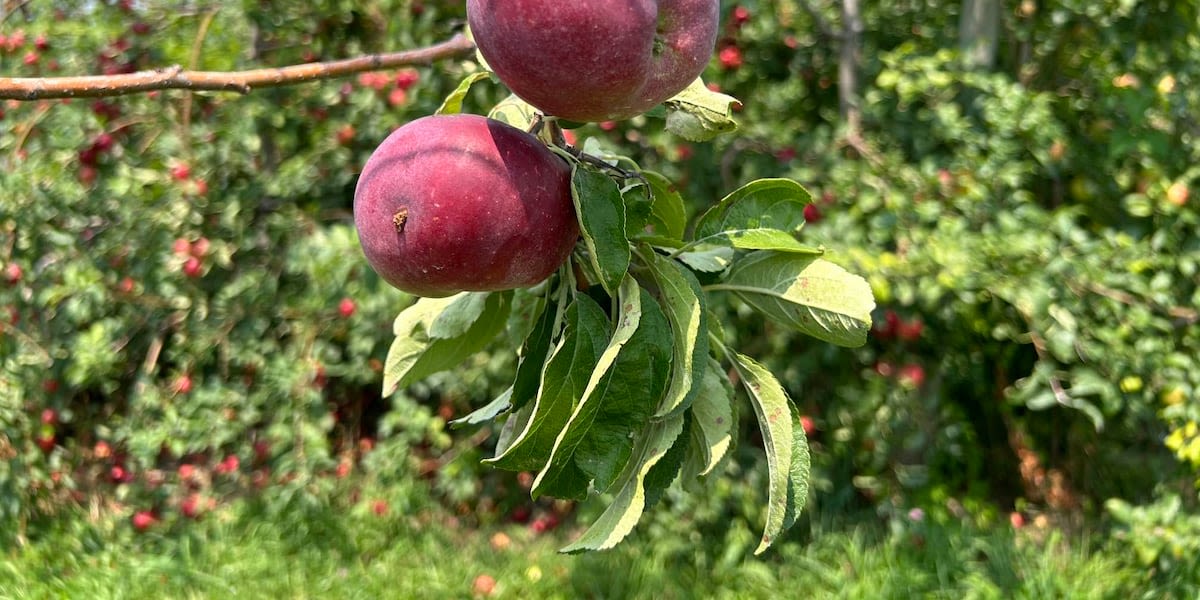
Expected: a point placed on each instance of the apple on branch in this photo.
(598, 60)
(458, 203)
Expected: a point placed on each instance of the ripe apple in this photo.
(598, 60)
(143, 520)
(464, 203)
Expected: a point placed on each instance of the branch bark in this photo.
(849, 57)
(176, 78)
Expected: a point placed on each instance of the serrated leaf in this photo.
(712, 418)
(760, 204)
(667, 211)
(619, 519)
(806, 293)
(452, 105)
(415, 355)
(700, 114)
(683, 303)
(708, 259)
(622, 392)
(514, 111)
(773, 410)
(563, 382)
(799, 473)
(601, 213)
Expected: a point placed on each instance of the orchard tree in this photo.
(624, 380)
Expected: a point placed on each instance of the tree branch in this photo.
(175, 78)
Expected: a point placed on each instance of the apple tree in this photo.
(505, 225)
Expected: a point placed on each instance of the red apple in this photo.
(597, 60)
(13, 273)
(484, 585)
(464, 203)
(143, 520)
(346, 308)
(192, 267)
(190, 507)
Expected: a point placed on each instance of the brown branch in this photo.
(175, 78)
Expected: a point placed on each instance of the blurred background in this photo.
(191, 344)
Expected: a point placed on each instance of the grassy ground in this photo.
(312, 551)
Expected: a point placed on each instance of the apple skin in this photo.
(599, 60)
(464, 203)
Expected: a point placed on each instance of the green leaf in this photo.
(799, 473)
(667, 211)
(806, 293)
(683, 302)
(452, 105)
(637, 208)
(708, 259)
(622, 515)
(713, 419)
(700, 114)
(667, 470)
(414, 354)
(762, 239)
(514, 111)
(773, 410)
(622, 391)
(533, 355)
(459, 315)
(488, 412)
(563, 382)
(760, 204)
(601, 211)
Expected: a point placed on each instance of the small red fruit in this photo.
(49, 416)
(183, 384)
(186, 472)
(140, 28)
(13, 273)
(40, 42)
(190, 507)
(380, 508)
(910, 331)
(741, 14)
(730, 57)
(484, 585)
(812, 214)
(102, 450)
(118, 474)
(143, 520)
(397, 97)
(46, 442)
(1017, 519)
(913, 375)
(519, 514)
(809, 426)
(126, 286)
(103, 142)
(182, 247)
(345, 135)
(192, 267)
(227, 466)
(406, 78)
(200, 247)
(181, 172)
(49, 386)
(346, 308)
(31, 58)
(884, 368)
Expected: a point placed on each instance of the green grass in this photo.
(309, 550)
